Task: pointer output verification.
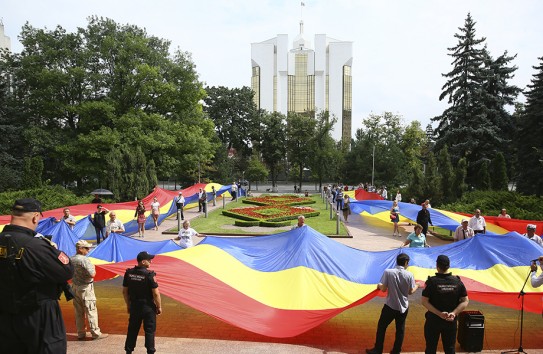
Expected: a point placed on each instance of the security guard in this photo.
(32, 274)
(142, 298)
(444, 296)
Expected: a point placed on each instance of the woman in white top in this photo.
(155, 211)
(185, 235)
(398, 196)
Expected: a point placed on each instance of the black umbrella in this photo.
(101, 191)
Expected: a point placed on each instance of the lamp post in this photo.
(373, 165)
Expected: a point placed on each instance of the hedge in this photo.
(246, 223)
(274, 224)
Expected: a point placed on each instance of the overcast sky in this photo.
(399, 46)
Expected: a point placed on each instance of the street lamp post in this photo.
(373, 165)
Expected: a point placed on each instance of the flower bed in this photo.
(285, 199)
(273, 213)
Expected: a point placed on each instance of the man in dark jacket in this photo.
(423, 218)
(32, 273)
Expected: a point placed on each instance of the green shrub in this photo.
(491, 202)
(293, 217)
(275, 224)
(51, 197)
(246, 223)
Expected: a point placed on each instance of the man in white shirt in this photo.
(67, 218)
(463, 231)
(477, 223)
(185, 235)
(114, 225)
(503, 214)
(301, 223)
(384, 193)
(530, 233)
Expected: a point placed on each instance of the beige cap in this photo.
(83, 244)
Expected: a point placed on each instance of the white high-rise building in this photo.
(5, 42)
(305, 78)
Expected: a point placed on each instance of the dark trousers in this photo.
(433, 328)
(387, 316)
(339, 204)
(39, 332)
(100, 231)
(424, 228)
(141, 312)
(180, 212)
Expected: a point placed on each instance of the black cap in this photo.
(142, 256)
(443, 261)
(27, 205)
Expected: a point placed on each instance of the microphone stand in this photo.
(520, 348)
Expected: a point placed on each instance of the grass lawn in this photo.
(215, 222)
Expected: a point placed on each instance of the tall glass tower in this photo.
(305, 78)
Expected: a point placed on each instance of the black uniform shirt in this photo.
(444, 291)
(423, 217)
(140, 281)
(31, 270)
(99, 219)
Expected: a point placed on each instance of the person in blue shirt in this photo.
(416, 239)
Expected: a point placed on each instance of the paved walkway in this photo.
(182, 329)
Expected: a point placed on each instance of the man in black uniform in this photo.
(444, 296)
(32, 274)
(423, 218)
(142, 298)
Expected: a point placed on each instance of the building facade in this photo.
(5, 42)
(305, 78)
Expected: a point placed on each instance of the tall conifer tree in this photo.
(530, 143)
(466, 125)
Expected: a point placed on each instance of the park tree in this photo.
(414, 145)
(325, 152)
(415, 188)
(498, 173)
(460, 172)
(499, 94)
(273, 143)
(256, 170)
(483, 177)
(432, 181)
(529, 142)
(300, 143)
(444, 166)
(32, 172)
(80, 94)
(235, 116)
(469, 126)
(382, 134)
(11, 129)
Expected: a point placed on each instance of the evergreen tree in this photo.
(498, 173)
(446, 172)
(32, 172)
(460, 186)
(465, 126)
(499, 94)
(416, 187)
(483, 180)
(151, 174)
(530, 144)
(432, 181)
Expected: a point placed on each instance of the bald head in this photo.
(25, 219)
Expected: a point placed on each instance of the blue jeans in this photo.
(100, 231)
